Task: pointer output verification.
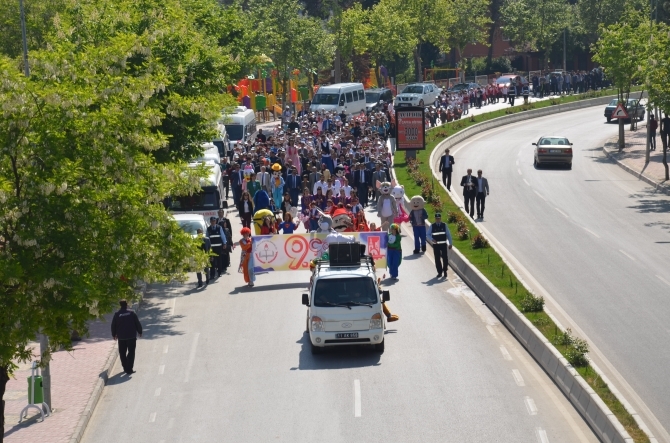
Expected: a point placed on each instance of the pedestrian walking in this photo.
(665, 132)
(125, 329)
(469, 192)
(393, 250)
(440, 238)
(446, 167)
(653, 126)
(216, 235)
(247, 208)
(230, 245)
(205, 246)
(482, 192)
(246, 258)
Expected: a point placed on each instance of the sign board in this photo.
(620, 112)
(411, 126)
(293, 252)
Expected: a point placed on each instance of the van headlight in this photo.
(317, 324)
(376, 321)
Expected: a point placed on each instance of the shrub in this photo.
(463, 232)
(453, 217)
(531, 303)
(576, 352)
(479, 241)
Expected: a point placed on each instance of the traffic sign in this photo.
(620, 112)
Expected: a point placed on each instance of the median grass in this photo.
(487, 260)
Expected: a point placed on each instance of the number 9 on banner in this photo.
(296, 248)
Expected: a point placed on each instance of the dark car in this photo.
(458, 87)
(376, 98)
(633, 106)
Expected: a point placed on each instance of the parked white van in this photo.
(240, 125)
(221, 140)
(347, 97)
(210, 152)
(208, 201)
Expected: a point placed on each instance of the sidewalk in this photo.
(633, 157)
(74, 377)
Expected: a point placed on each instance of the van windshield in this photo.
(413, 90)
(235, 132)
(206, 200)
(372, 97)
(345, 292)
(325, 99)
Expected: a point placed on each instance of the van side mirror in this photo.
(386, 296)
(305, 299)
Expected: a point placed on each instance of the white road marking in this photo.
(663, 280)
(624, 253)
(530, 405)
(152, 417)
(174, 303)
(165, 349)
(191, 357)
(518, 378)
(541, 435)
(562, 213)
(517, 161)
(158, 392)
(492, 331)
(526, 182)
(540, 195)
(519, 170)
(161, 369)
(591, 232)
(505, 353)
(357, 398)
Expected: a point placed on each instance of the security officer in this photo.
(228, 231)
(205, 246)
(125, 328)
(216, 235)
(440, 237)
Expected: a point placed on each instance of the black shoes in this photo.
(439, 275)
(416, 251)
(131, 372)
(423, 248)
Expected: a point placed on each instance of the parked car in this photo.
(552, 149)
(505, 80)
(417, 94)
(190, 223)
(633, 106)
(458, 87)
(376, 98)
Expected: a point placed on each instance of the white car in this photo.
(344, 306)
(190, 223)
(417, 94)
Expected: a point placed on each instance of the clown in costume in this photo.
(277, 183)
(398, 192)
(247, 258)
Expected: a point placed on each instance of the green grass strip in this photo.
(487, 260)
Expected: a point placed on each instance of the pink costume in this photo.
(292, 153)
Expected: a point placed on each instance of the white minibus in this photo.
(347, 97)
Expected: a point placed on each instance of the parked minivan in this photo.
(347, 97)
(240, 125)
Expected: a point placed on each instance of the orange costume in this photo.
(247, 259)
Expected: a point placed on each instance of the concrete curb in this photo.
(661, 187)
(600, 418)
(99, 385)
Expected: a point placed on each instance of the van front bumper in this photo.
(369, 337)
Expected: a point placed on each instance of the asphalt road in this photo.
(594, 237)
(233, 364)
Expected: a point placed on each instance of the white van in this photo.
(221, 140)
(344, 306)
(347, 97)
(240, 125)
(208, 201)
(210, 152)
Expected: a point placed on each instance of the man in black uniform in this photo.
(205, 246)
(228, 247)
(438, 234)
(125, 327)
(218, 238)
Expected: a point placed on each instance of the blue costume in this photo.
(277, 190)
(261, 200)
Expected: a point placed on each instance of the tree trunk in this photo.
(495, 17)
(622, 135)
(417, 62)
(4, 378)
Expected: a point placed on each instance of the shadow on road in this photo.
(155, 311)
(651, 202)
(264, 288)
(336, 357)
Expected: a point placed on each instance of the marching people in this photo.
(665, 131)
(482, 192)
(446, 167)
(393, 250)
(247, 259)
(229, 246)
(217, 237)
(125, 329)
(469, 192)
(247, 209)
(440, 238)
(205, 246)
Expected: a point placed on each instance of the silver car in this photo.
(553, 149)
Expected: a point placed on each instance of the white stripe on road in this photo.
(526, 182)
(518, 378)
(519, 171)
(591, 232)
(562, 213)
(161, 369)
(624, 253)
(165, 349)
(663, 280)
(174, 303)
(191, 357)
(152, 417)
(530, 406)
(158, 392)
(491, 330)
(505, 353)
(357, 398)
(517, 161)
(540, 195)
(541, 435)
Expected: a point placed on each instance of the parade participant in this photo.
(253, 185)
(469, 192)
(417, 218)
(247, 208)
(217, 237)
(206, 246)
(387, 208)
(393, 250)
(440, 238)
(277, 185)
(398, 193)
(268, 227)
(228, 230)
(247, 259)
(287, 226)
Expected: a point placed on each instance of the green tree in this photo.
(657, 72)
(535, 24)
(590, 14)
(471, 23)
(351, 33)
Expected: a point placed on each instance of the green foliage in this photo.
(576, 349)
(590, 15)
(657, 67)
(532, 303)
(479, 241)
(471, 22)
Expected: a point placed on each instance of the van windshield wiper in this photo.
(356, 303)
(335, 304)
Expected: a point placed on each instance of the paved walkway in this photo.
(633, 157)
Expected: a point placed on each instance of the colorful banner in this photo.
(411, 126)
(291, 252)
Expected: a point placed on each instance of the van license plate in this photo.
(347, 335)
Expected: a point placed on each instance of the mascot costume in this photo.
(387, 208)
(338, 183)
(277, 182)
(248, 170)
(343, 221)
(398, 192)
(261, 200)
(418, 217)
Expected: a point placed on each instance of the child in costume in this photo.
(247, 259)
(277, 183)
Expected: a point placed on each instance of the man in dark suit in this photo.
(469, 183)
(446, 167)
(236, 179)
(294, 183)
(361, 182)
(482, 192)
